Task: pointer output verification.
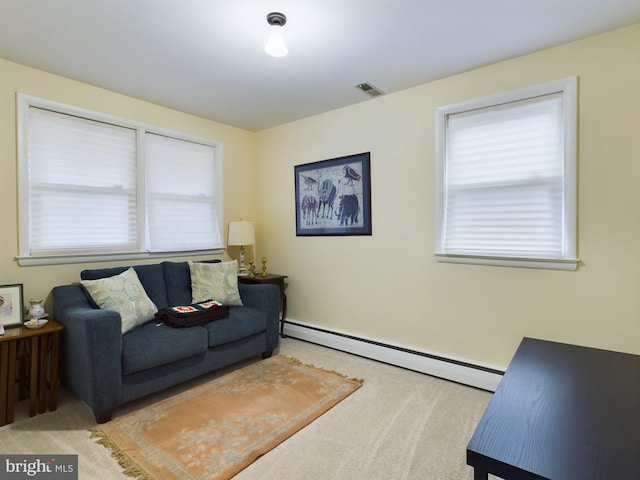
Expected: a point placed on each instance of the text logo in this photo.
(51, 467)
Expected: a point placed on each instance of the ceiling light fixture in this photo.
(275, 46)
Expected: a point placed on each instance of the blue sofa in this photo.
(106, 368)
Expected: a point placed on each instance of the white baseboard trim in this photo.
(455, 370)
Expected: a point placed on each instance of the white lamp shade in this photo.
(241, 233)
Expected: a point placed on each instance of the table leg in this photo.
(53, 379)
(33, 376)
(42, 374)
(480, 474)
(4, 380)
(22, 356)
(283, 298)
(11, 382)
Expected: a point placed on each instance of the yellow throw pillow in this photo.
(215, 281)
(125, 294)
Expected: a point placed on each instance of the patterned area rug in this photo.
(215, 430)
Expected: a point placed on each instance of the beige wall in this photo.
(239, 162)
(388, 286)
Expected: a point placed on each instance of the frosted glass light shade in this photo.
(276, 46)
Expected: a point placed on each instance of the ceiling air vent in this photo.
(369, 89)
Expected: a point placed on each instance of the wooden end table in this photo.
(273, 279)
(37, 350)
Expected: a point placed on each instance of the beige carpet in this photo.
(213, 431)
(400, 425)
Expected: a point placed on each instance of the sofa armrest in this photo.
(265, 297)
(91, 348)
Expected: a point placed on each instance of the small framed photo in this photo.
(11, 305)
(333, 197)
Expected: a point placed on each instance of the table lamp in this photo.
(240, 234)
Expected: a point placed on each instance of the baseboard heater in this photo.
(449, 369)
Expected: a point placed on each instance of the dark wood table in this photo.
(276, 280)
(34, 354)
(561, 412)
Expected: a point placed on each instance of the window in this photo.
(506, 180)
(94, 187)
(181, 195)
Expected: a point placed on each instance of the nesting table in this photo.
(561, 412)
(33, 353)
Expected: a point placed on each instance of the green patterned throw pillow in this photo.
(125, 294)
(217, 281)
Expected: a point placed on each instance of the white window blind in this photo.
(82, 185)
(95, 187)
(507, 185)
(181, 198)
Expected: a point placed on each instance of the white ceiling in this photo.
(206, 57)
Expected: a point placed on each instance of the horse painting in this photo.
(333, 197)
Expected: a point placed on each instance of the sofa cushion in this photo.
(217, 281)
(151, 277)
(177, 277)
(152, 345)
(242, 322)
(124, 294)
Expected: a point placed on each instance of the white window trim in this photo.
(569, 88)
(24, 103)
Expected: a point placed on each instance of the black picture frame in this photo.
(333, 197)
(11, 305)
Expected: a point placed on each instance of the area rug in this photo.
(215, 430)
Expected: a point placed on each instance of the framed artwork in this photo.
(11, 305)
(333, 197)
